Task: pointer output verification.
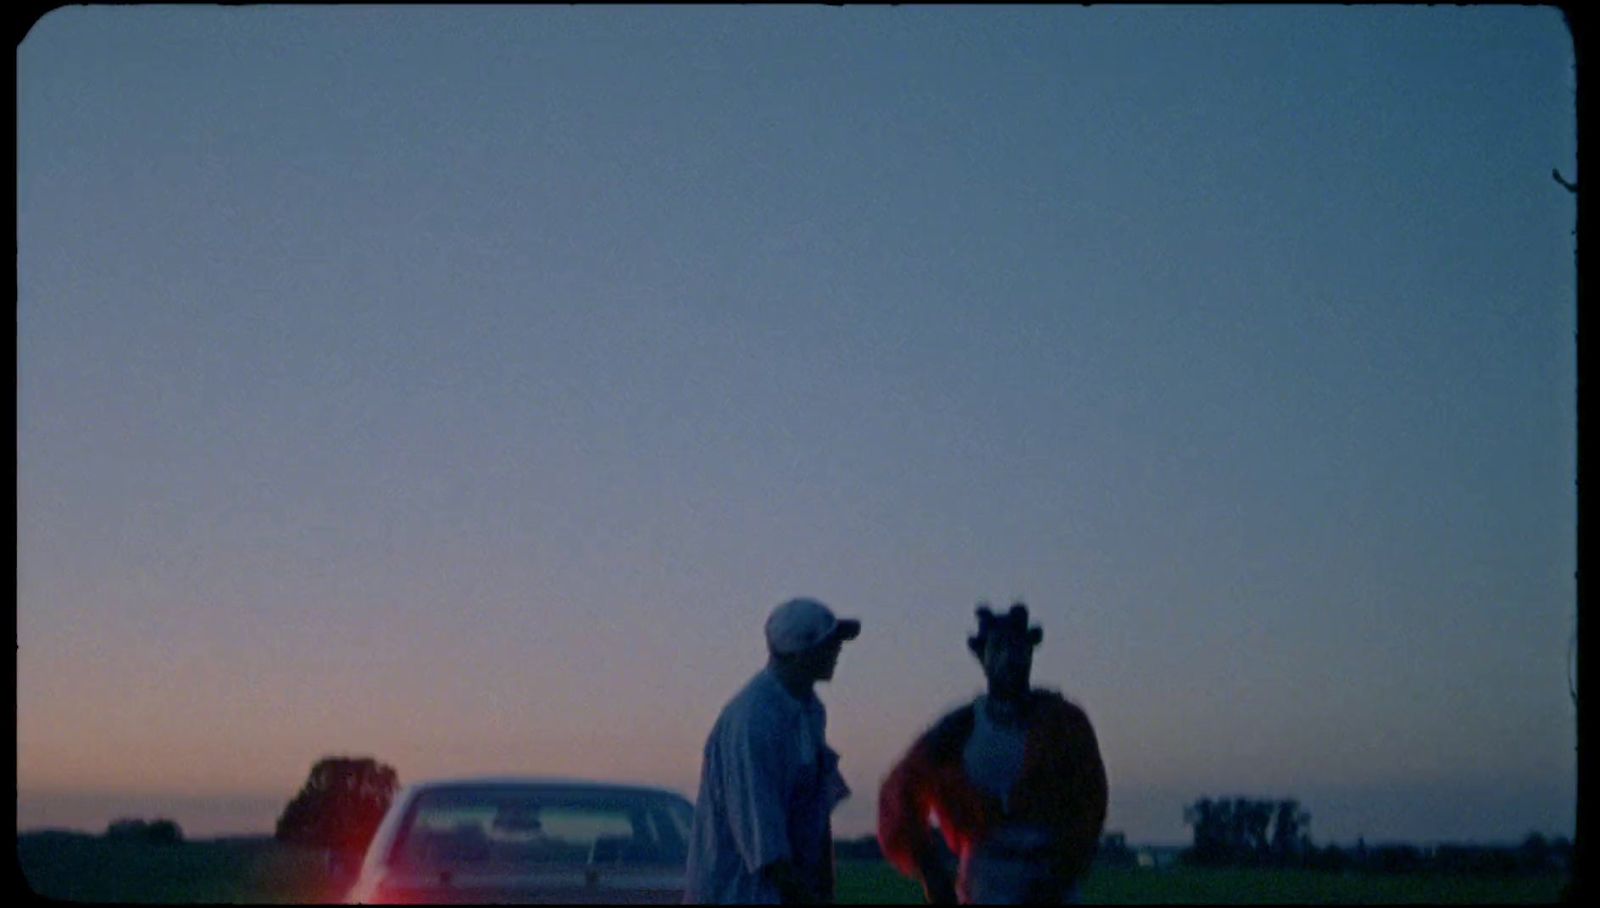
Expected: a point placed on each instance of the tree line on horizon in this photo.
(1250, 832)
(343, 800)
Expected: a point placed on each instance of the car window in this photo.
(523, 826)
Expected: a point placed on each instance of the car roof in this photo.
(545, 782)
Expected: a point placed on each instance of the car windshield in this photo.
(511, 826)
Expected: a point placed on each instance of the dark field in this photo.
(88, 868)
(866, 882)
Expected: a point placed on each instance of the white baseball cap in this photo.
(800, 624)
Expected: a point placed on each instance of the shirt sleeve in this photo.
(756, 776)
(1086, 779)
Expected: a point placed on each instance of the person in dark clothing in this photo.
(1014, 778)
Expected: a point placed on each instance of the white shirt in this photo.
(1005, 868)
(768, 784)
(993, 755)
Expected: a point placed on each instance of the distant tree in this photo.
(340, 806)
(1290, 841)
(1114, 851)
(126, 828)
(1535, 853)
(1210, 820)
(1247, 831)
(158, 832)
(1254, 818)
(164, 832)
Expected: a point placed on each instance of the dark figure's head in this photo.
(804, 638)
(1004, 645)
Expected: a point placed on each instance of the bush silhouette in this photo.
(340, 806)
(158, 832)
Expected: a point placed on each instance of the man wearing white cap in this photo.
(769, 780)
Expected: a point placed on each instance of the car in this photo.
(528, 841)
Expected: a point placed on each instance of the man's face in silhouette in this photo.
(823, 658)
(1007, 662)
(818, 662)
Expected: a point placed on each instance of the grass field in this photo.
(91, 869)
(873, 882)
(85, 868)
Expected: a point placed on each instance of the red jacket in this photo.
(1062, 786)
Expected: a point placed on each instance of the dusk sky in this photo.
(463, 386)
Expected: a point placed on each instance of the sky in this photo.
(463, 386)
